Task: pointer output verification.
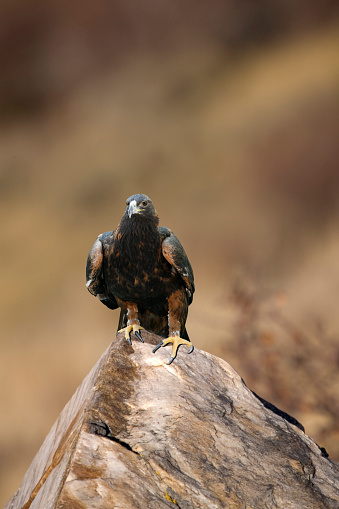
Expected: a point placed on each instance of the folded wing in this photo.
(175, 254)
(95, 277)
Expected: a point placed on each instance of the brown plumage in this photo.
(143, 269)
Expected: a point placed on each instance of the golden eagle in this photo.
(143, 269)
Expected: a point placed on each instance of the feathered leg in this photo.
(177, 315)
(130, 311)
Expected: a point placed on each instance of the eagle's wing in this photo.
(175, 254)
(94, 273)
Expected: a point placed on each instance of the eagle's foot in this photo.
(132, 328)
(176, 341)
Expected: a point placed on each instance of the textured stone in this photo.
(140, 434)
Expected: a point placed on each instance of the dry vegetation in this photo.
(235, 139)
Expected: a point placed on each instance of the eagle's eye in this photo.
(144, 203)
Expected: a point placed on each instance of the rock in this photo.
(140, 434)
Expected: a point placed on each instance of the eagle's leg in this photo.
(177, 314)
(133, 324)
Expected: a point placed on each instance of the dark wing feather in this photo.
(175, 254)
(94, 274)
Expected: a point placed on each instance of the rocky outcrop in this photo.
(141, 434)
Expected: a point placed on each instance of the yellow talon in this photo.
(176, 341)
(132, 328)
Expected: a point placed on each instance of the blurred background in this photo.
(226, 114)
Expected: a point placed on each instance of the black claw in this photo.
(171, 360)
(191, 349)
(138, 335)
(157, 347)
(129, 340)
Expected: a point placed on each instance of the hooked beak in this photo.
(132, 208)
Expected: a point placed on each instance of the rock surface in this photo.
(140, 434)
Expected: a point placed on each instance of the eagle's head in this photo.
(142, 205)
